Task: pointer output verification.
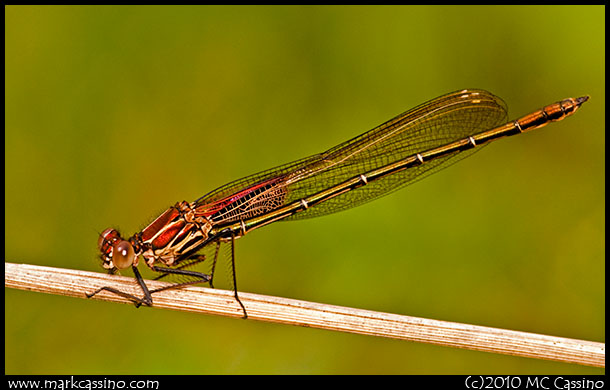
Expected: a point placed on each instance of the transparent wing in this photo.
(438, 122)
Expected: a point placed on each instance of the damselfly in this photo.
(399, 152)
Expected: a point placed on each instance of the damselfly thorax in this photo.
(401, 151)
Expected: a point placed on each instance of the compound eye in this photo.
(123, 255)
(106, 235)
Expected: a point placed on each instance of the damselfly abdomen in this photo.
(401, 151)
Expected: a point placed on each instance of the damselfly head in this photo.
(114, 251)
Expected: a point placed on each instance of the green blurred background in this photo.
(115, 113)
